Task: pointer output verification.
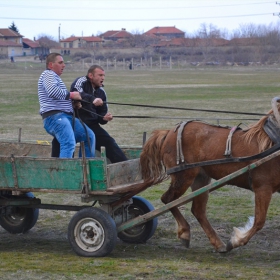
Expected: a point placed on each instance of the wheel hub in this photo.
(91, 234)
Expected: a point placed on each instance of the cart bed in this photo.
(28, 167)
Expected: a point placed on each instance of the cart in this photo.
(92, 231)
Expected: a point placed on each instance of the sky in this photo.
(65, 18)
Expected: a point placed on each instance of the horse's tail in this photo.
(151, 158)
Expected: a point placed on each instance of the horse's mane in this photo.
(256, 130)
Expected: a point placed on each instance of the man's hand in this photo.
(97, 102)
(75, 95)
(77, 105)
(108, 117)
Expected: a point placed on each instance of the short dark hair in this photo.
(93, 67)
(51, 58)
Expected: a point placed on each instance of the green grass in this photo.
(44, 252)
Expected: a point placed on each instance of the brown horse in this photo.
(204, 142)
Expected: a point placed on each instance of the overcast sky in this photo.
(92, 17)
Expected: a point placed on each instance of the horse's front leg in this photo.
(241, 236)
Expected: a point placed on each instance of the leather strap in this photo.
(185, 166)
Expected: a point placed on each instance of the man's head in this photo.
(96, 74)
(54, 61)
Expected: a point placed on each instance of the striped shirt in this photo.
(53, 94)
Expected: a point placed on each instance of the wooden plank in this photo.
(97, 174)
(6, 173)
(132, 152)
(51, 174)
(24, 149)
(123, 173)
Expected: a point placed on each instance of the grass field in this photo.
(44, 252)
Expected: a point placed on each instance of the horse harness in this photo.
(271, 128)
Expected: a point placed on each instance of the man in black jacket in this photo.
(95, 112)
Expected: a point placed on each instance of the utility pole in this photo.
(59, 33)
(277, 14)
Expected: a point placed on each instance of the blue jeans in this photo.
(60, 126)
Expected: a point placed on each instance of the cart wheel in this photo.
(20, 219)
(92, 233)
(143, 232)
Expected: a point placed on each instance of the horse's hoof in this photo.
(229, 246)
(185, 242)
(222, 249)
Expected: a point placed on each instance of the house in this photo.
(168, 32)
(115, 35)
(10, 43)
(69, 44)
(30, 47)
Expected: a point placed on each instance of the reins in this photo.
(173, 108)
(187, 109)
(153, 117)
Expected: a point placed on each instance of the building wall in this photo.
(11, 51)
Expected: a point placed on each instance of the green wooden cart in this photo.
(92, 231)
(27, 168)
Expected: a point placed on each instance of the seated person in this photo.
(94, 113)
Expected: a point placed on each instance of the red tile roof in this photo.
(30, 43)
(116, 34)
(87, 39)
(165, 30)
(92, 39)
(6, 32)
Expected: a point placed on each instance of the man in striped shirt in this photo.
(57, 111)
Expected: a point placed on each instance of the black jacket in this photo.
(88, 93)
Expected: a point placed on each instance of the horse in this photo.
(203, 142)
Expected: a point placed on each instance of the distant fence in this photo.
(152, 63)
(133, 64)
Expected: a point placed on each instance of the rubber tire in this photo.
(141, 233)
(22, 220)
(97, 227)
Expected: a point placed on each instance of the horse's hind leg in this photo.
(241, 236)
(178, 186)
(199, 211)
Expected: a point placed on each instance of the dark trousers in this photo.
(102, 137)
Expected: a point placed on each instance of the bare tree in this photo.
(206, 35)
(46, 42)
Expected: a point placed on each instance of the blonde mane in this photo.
(256, 130)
